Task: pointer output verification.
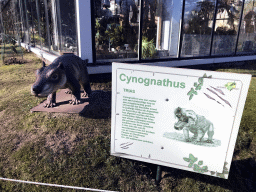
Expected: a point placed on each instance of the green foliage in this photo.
(114, 33)
(148, 48)
(199, 19)
(100, 32)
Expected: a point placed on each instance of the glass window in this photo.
(17, 20)
(247, 36)
(161, 28)
(32, 18)
(8, 19)
(226, 27)
(66, 16)
(37, 24)
(197, 27)
(53, 27)
(116, 29)
(24, 20)
(10, 30)
(43, 25)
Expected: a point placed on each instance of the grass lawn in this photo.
(74, 150)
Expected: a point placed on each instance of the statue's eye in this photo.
(54, 77)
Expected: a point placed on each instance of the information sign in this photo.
(182, 118)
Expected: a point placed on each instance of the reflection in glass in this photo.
(43, 25)
(197, 27)
(161, 28)
(226, 27)
(37, 35)
(116, 29)
(32, 20)
(24, 19)
(52, 25)
(66, 17)
(11, 34)
(247, 36)
(17, 20)
(11, 26)
(8, 21)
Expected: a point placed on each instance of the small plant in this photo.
(148, 48)
(115, 34)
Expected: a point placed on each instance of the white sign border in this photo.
(246, 78)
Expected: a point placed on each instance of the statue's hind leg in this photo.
(87, 89)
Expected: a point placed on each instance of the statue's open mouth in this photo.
(179, 125)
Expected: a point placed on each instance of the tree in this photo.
(200, 17)
(115, 34)
(231, 11)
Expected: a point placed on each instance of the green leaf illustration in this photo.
(198, 87)
(225, 172)
(192, 158)
(200, 80)
(191, 93)
(200, 163)
(212, 172)
(205, 168)
(221, 175)
(196, 167)
(230, 86)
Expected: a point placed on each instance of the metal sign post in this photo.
(158, 174)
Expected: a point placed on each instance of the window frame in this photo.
(179, 57)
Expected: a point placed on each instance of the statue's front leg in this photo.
(200, 135)
(51, 100)
(210, 134)
(186, 134)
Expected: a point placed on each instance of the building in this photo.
(161, 32)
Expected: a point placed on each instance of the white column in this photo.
(175, 27)
(84, 31)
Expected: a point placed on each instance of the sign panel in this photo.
(181, 118)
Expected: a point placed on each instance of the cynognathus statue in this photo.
(67, 71)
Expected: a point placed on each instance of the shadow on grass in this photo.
(242, 176)
(99, 106)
